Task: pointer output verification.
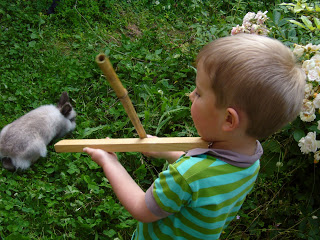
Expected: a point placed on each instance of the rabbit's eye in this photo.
(72, 119)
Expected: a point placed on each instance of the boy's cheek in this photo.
(193, 114)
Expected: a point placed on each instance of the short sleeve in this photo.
(171, 191)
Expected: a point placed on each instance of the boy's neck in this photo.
(246, 147)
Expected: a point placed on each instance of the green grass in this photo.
(152, 48)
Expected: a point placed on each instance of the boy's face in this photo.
(208, 119)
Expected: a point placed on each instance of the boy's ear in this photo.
(232, 120)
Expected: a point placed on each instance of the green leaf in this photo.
(298, 23)
(161, 124)
(34, 35)
(50, 170)
(32, 44)
(292, 33)
(317, 22)
(141, 172)
(276, 17)
(15, 236)
(313, 128)
(298, 134)
(298, 8)
(287, 4)
(89, 131)
(272, 145)
(307, 22)
(72, 168)
(158, 51)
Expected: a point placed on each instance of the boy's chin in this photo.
(206, 138)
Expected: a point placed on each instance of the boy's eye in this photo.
(195, 93)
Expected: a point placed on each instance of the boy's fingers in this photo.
(88, 150)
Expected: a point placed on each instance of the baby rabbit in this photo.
(23, 141)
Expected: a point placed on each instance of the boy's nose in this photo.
(191, 96)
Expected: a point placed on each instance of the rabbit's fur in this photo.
(23, 141)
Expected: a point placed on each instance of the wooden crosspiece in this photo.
(142, 144)
(133, 144)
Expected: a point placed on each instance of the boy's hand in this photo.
(100, 157)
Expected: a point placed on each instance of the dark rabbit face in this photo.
(65, 107)
(7, 164)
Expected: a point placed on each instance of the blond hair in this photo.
(257, 75)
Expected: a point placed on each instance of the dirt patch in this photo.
(133, 30)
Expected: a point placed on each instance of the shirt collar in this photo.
(230, 157)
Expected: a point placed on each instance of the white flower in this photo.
(263, 31)
(308, 65)
(316, 101)
(316, 57)
(308, 143)
(261, 17)
(308, 107)
(311, 47)
(314, 217)
(307, 117)
(248, 17)
(254, 28)
(237, 29)
(247, 25)
(314, 74)
(317, 156)
(307, 113)
(308, 90)
(279, 164)
(298, 50)
(156, 2)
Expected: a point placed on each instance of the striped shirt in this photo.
(198, 196)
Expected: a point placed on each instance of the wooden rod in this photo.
(122, 93)
(132, 144)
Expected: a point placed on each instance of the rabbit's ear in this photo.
(63, 99)
(66, 109)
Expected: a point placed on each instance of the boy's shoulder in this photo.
(202, 163)
(228, 156)
(202, 166)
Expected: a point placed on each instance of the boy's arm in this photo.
(171, 157)
(131, 196)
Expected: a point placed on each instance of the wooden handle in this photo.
(107, 69)
(132, 144)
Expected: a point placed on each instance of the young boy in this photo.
(247, 87)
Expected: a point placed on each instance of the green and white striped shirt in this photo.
(198, 196)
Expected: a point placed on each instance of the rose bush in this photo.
(310, 58)
(309, 55)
